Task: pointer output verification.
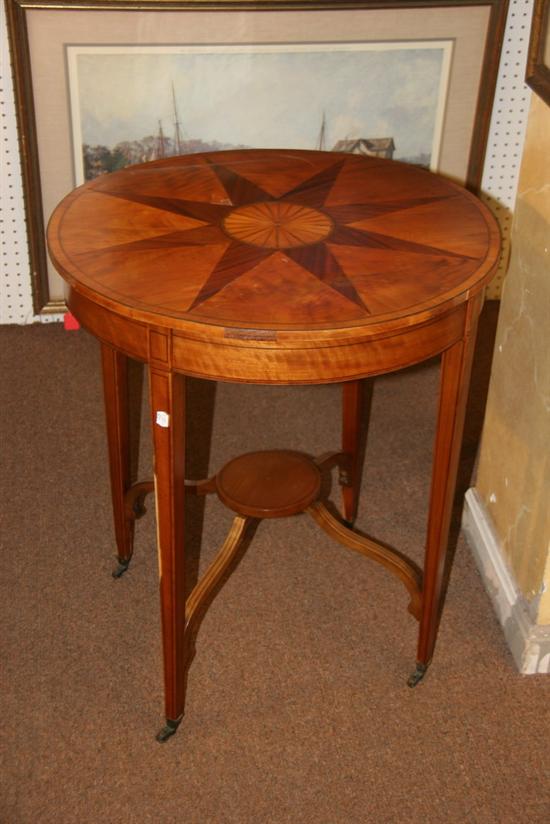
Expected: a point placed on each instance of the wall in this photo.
(513, 481)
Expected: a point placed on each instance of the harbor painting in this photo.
(131, 104)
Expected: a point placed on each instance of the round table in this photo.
(273, 267)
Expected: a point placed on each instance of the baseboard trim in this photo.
(529, 642)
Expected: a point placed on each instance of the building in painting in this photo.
(372, 146)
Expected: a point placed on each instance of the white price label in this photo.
(163, 419)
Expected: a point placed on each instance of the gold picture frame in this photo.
(41, 33)
(538, 57)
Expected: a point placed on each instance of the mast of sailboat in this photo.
(161, 142)
(177, 132)
(321, 142)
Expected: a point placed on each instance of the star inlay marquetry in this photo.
(275, 239)
(252, 225)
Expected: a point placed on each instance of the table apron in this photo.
(266, 363)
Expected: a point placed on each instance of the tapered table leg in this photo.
(456, 364)
(168, 412)
(115, 390)
(356, 402)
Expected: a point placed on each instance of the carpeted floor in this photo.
(297, 707)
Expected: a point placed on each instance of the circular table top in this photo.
(273, 239)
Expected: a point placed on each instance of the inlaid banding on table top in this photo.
(321, 238)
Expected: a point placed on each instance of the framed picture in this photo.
(100, 85)
(538, 57)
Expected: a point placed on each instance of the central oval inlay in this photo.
(277, 225)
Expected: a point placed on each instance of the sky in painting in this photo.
(262, 96)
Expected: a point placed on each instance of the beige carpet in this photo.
(297, 707)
